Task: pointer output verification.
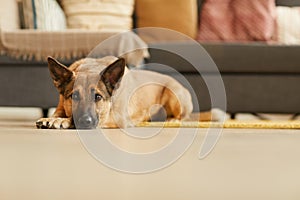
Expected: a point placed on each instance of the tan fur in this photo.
(138, 93)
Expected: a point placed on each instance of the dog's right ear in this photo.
(59, 73)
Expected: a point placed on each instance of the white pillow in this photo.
(288, 25)
(43, 15)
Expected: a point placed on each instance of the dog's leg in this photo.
(58, 120)
(179, 106)
(59, 111)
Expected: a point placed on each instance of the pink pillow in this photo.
(237, 20)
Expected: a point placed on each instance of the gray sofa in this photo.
(258, 77)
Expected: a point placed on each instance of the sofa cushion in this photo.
(241, 20)
(43, 15)
(231, 58)
(103, 15)
(178, 15)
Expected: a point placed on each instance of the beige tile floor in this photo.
(53, 164)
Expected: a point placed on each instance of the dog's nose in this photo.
(86, 121)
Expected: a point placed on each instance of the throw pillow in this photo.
(8, 15)
(43, 15)
(287, 32)
(237, 20)
(104, 15)
(178, 15)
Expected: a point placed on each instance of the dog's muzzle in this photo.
(86, 122)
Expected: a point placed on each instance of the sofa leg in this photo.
(294, 117)
(45, 112)
(232, 115)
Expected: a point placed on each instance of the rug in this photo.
(261, 124)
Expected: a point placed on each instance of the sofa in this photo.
(259, 77)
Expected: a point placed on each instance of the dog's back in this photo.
(143, 93)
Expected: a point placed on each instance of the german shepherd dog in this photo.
(105, 93)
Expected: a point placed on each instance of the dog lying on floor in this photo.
(105, 93)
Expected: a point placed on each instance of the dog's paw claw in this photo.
(54, 123)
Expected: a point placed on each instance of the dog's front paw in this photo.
(54, 123)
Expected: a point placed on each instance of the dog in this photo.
(104, 93)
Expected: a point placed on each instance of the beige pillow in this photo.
(104, 15)
(178, 15)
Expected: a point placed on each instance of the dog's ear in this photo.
(59, 73)
(113, 74)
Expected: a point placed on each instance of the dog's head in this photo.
(86, 94)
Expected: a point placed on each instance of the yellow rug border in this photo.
(227, 124)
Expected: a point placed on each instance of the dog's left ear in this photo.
(113, 74)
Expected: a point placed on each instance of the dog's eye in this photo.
(98, 97)
(75, 96)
